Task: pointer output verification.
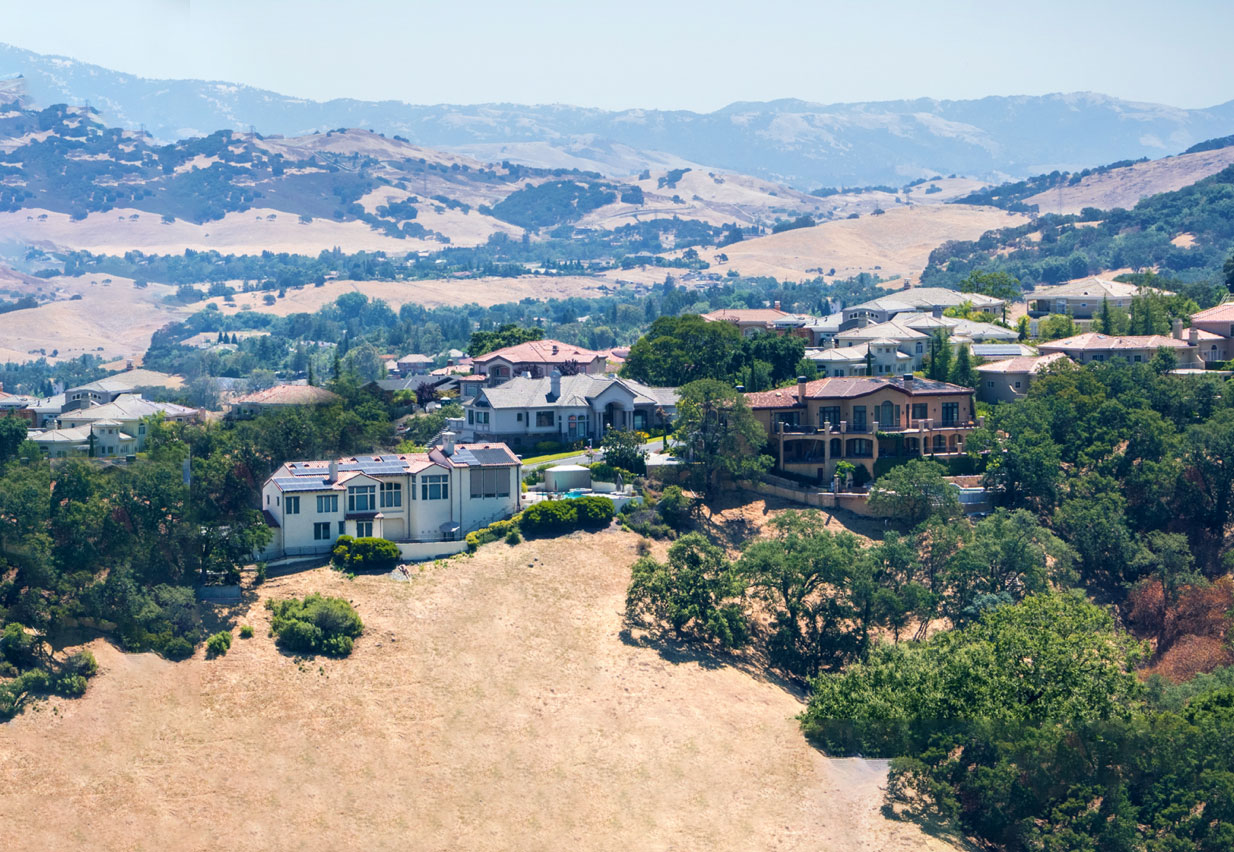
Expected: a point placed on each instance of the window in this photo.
(544, 419)
(859, 417)
(364, 529)
(829, 413)
(435, 487)
(327, 504)
(520, 417)
(321, 531)
(1017, 384)
(921, 410)
(991, 384)
(1137, 359)
(292, 507)
(391, 495)
(342, 527)
(920, 348)
(362, 498)
(490, 482)
(471, 417)
(951, 413)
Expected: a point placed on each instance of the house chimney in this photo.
(1178, 329)
(1193, 337)
(937, 312)
(554, 383)
(801, 389)
(777, 304)
(447, 443)
(333, 471)
(908, 379)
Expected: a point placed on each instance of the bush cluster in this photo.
(218, 644)
(494, 531)
(315, 625)
(354, 554)
(553, 517)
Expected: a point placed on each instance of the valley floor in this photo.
(492, 703)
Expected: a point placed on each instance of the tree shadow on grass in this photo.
(709, 657)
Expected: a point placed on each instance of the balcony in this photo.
(846, 428)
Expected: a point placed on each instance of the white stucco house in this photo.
(115, 429)
(563, 408)
(421, 501)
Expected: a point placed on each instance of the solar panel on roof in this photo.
(484, 457)
(377, 468)
(301, 483)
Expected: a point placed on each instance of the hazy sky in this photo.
(663, 54)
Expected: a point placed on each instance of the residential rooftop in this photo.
(848, 387)
(1023, 364)
(540, 352)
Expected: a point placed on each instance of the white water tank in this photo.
(564, 477)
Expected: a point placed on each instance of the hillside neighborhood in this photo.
(621, 459)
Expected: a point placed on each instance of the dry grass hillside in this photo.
(1124, 187)
(95, 314)
(492, 703)
(898, 242)
(250, 232)
(430, 293)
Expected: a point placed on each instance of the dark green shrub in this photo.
(260, 576)
(246, 631)
(177, 648)
(513, 537)
(19, 647)
(82, 663)
(70, 686)
(315, 624)
(218, 644)
(594, 512)
(549, 517)
(355, 554)
(674, 506)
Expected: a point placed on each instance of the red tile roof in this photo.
(1218, 313)
(1095, 341)
(1023, 364)
(847, 387)
(541, 352)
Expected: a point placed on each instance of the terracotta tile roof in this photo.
(1218, 313)
(289, 395)
(1023, 364)
(847, 387)
(764, 315)
(1090, 288)
(541, 352)
(1096, 342)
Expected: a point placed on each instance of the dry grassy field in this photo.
(898, 242)
(492, 703)
(112, 318)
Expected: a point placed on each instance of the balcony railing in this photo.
(846, 428)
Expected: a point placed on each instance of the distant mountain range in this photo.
(803, 144)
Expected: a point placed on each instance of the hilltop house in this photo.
(911, 333)
(411, 365)
(1092, 346)
(563, 408)
(752, 321)
(537, 358)
(862, 419)
(880, 356)
(930, 300)
(1010, 379)
(1217, 321)
(113, 430)
(438, 496)
(280, 396)
(1082, 299)
(107, 389)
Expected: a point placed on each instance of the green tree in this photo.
(696, 593)
(996, 284)
(915, 491)
(510, 334)
(12, 435)
(818, 588)
(963, 370)
(720, 435)
(938, 366)
(679, 350)
(622, 449)
(1056, 327)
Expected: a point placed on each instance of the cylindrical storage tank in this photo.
(564, 477)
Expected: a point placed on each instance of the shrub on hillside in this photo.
(315, 625)
(354, 554)
(554, 517)
(594, 513)
(218, 644)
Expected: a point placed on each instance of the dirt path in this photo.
(491, 704)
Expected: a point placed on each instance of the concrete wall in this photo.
(422, 551)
